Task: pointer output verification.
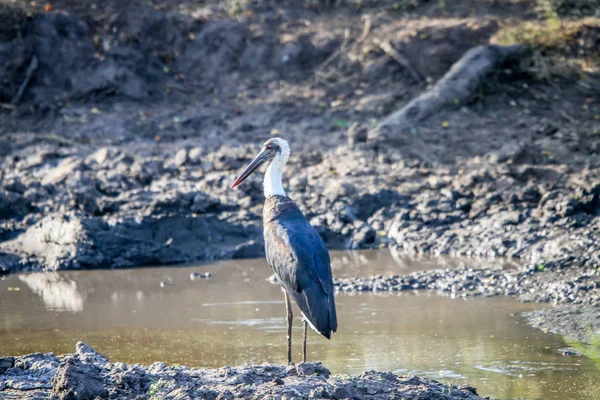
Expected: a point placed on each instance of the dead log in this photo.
(456, 85)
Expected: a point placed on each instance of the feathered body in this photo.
(300, 262)
(295, 251)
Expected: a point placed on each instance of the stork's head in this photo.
(274, 150)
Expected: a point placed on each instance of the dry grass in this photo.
(569, 48)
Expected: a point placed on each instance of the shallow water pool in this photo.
(236, 316)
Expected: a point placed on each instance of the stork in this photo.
(294, 249)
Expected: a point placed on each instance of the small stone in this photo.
(65, 168)
(511, 218)
(569, 352)
(195, 155)
(89, 354)
(450, 194)
(278, 381)
(100, 156)
(180, 158)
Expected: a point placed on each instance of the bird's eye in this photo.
(270, 146)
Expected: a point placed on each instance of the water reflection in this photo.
(236, 316)
(67, 292)
(57, 292)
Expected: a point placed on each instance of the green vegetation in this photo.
(157, 386)
(561, 45)
(591, 350)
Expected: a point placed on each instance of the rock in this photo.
(77, 380)
(72, 241)
(6, 363)
(312, 369)
(101, 156)
(195, 155)
(63, 170)
(89, 355)
(569, 352)
(180, 158)
(511, 218)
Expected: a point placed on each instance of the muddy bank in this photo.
(87, 374)
(581, 287)
(97, 172)
(575, 323)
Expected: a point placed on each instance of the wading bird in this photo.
(294, 249)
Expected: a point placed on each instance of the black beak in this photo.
(257, 162)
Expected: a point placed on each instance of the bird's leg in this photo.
(304, 348)
(288, 308)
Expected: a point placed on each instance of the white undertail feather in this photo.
(273, 184)
(310, 323)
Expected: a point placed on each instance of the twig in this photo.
(387, 47)
(28, 75)
(336, 54)
(366, 29)
(8, 106)
(178, 87)
(363, 36)
(568, 117)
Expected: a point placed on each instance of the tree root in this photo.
(455, 86)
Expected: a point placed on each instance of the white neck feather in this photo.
(273, 185)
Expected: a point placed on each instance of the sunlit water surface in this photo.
(236, 316)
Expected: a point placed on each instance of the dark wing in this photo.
(300, 261)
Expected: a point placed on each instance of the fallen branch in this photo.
(28, 75)
(456, 85)
(387, 47)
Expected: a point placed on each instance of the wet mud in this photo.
(87, 374)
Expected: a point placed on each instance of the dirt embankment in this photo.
(123, 125)
(87, 374)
